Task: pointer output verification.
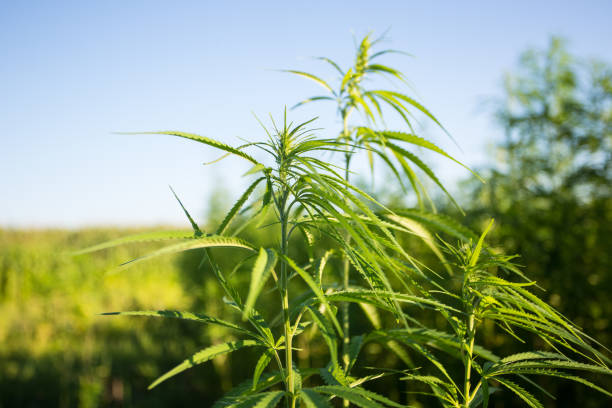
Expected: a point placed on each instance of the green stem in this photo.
(346, 265)
(346, 305)
(468, 363)
(284, 289)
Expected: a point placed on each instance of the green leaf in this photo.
(370, 296)
(311, 77)
(327, 331)
(354, 349)
(521, 393)
(236, 207)
(202, 139)
(418, 106)
(377, 397)
(419, 141)
(313, 400)
(262, 269)
(385, 69)
(559, 374)
(173, 314)
(268, 399)
(139, 238)
(316, 289)
(420, 231)
(265, 400)
(261, 365)
(245, 389)
(420, 164)
(297, 379)
(347, 77)
(485, 393)
(531, 355)
(194, 225)
(255, 169)
(205, 355)
(478, 248)
(482, 395)
(351, 394)
(332, 63)
(557, 364)
(203, 242)
(313, 99)
(334, 375)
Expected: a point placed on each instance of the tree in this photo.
(551, 190)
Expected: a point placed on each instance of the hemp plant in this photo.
(310, 200)
(487, 291)
(351, 95)
(306, 195)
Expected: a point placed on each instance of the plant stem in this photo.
(468, 364)
(284, 289)
(345, 305)
(346, 266)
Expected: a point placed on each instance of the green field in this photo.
(56, 348)
(58, 351)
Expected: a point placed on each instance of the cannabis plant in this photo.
(299, 195)
(351, 95)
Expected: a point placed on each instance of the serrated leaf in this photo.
(354, 349)
(556, 364)
(531, 355)
(139, 238)
(316, 289)
(194, 225)
(425, 168)
(261, 365)
(212, 241)
(174, 314)
(255, 169)
(237, 206)
(205, 355)
(202, 139)
(245, 388)
(313, 400)
(420, 231)
(396, 95)
(478, 248)
(350, 394)
(521, 393)
(333, 375)
(327, 331)
(419, 141)
(262, 269)
(268, 399)
(440, 222)
(297, 379)
(311, 77)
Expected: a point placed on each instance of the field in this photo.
(57, 350)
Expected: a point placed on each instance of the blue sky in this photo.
(71, 73)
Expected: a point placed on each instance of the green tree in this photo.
(550, 190)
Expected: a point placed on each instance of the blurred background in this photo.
(524, 88)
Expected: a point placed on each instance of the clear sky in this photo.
(73, 72)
